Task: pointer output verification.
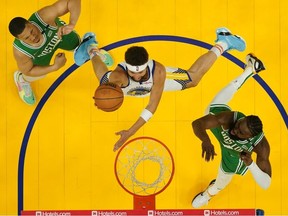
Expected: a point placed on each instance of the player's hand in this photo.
(124, 136)
(246, 157)
(60, 60)
(208, 151)
(64, 30)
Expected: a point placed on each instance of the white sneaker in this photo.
(256, 64)
(24, 89)
(203, 197)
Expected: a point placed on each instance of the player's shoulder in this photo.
(224, 118)
(159, 71)
(19, 55)
(50, 12)
(262, 147)
(159, 66)
(118, 75)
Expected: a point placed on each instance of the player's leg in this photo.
(99, 67)
(215, 186)
(222, 180)
(88, 49)
(225, 41)
(254, 65)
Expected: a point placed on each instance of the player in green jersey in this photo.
(238, 135)
(36, 41)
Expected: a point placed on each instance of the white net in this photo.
(144, 167)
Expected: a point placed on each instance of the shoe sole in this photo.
(251, 55)
(212, 182)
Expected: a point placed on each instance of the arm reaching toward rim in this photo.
(155, 96)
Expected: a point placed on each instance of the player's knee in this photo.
(195, 82)
(192, 84)
(207, 110)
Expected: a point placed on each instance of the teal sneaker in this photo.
(105, 57)
(24, 89)
(233, 41)
(81, 54)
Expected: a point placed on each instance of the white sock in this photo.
(219, 48)
(21, 79)
(227, 93)
(29, 79)
(92, 50)
(213, 190)
(240, 80)
(221, 182)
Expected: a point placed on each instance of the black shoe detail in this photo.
(258, 64)
(212, 182)
(83, 41)
(225, 33)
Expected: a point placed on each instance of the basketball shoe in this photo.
(256, 64)
(203, 197)
(24, 89)
(233, 41)
(81, 54)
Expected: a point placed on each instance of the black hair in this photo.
(254, 124)
(136, 56)
(17, 25)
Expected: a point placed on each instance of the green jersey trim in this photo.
(44, 23)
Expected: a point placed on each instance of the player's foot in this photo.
(81, 54)
(233, 41)
(256, 64)
(203, 197)
(103, 54)
(24, 89)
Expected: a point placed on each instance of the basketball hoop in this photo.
(144, 167)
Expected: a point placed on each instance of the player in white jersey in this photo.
(139, 76)
(176, 79)
(238, 136)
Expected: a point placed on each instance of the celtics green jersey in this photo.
(230, 148)
(42, 54)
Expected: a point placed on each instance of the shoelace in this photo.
(98, 52)
(26, 87)
(102, 56)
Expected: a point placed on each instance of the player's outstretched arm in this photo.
(207, 122)
(147, 113)
(60, 8)
(199, 127)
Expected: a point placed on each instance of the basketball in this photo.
(108, 97)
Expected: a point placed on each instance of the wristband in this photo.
(146, 115)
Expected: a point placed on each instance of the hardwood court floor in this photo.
(69, 158)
